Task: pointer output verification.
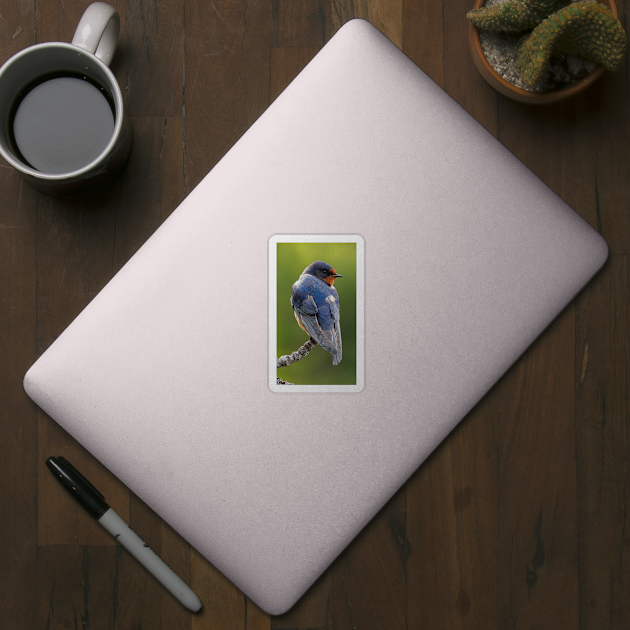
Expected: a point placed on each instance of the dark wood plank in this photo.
(452, 527)
(154, 57)
(76, 587)
(303, 23)
(18, 416)
(603, 444)
(560, 147)
(57, 22)
(226, 78)
(369, 587)
(17, 27)
(422, 36)
(537, 538)
(569, 146)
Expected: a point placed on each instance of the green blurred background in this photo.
(317, 367)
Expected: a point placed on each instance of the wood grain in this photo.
(18, 416)
(602, 381)
(537, 537)
(18, 324)
(303, 23)
(76, 587)
(154, 57)
(369, 579)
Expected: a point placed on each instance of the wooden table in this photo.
(518, 520)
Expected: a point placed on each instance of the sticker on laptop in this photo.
(316, 313)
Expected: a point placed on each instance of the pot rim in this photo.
(512, 91)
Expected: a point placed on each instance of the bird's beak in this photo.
(336, 275)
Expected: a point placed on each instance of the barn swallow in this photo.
(316, 306)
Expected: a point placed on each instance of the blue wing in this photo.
(317, 311)
(333, 333)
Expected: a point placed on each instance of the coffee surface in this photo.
(62, 124)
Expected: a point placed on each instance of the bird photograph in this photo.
(315, 301)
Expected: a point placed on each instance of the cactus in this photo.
(513, 16)
(583, 29)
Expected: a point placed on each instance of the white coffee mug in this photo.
(62, 114)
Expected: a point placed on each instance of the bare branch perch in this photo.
(300, 353)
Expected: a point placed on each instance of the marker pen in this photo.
(94, 502)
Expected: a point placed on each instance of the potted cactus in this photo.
(557, 49)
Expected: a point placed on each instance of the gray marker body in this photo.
(149, 559)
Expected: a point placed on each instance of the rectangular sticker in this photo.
(316, 313)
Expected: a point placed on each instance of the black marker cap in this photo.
(78, 486)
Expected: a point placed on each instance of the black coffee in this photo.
(62, 123)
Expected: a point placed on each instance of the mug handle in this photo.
(98, 30)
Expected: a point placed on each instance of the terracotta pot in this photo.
(508, 89)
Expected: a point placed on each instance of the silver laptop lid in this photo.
(463, 257)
